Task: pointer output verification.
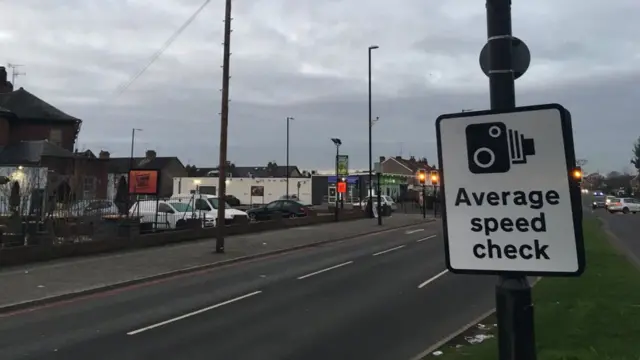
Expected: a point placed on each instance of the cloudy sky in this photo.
(308, 59)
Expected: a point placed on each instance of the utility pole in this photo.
(289, 118)
(15, 73)
(224, 125)
(514, 307)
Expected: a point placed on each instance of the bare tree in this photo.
(16, 190)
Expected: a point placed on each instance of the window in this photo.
(274, 205)
(89, 183)
(180, 207)
(55, 136)
(164, 208)
(289, 205)
(215, 202)
(209, 190)
(202, 204)
(88, 187)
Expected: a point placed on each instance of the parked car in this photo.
(209, 204)
(285, 208)
(624, 205)
(165, 215)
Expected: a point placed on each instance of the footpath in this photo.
(40, 283)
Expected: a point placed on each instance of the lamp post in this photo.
(337, 143)
(288, 172)
(372, 47)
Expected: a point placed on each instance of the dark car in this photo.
(285, 208)
(599, 202)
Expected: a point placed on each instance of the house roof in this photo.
(263, 171)
(204, 172)
(411, 164)
(28, 106)
(250, 171)
(31, 152)
(123, 165)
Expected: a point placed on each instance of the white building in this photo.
(247, 190)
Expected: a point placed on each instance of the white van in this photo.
(208, 204)
(385, 199)
(165, 215)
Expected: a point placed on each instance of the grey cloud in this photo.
(308, 60)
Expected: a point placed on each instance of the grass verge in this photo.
(594, 317)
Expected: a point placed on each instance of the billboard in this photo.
(144, 182)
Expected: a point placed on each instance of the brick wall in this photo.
(41, 131)
(4, 132)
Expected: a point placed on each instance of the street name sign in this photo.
(510, 203)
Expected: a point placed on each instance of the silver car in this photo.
(624, 205)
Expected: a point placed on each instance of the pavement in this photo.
(43, 281)
(380, 296)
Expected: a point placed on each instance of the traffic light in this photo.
(435, 177)
(422, 176)
(576, 174)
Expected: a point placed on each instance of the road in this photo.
(625, 227)
(385, 296)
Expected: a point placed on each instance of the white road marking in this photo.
(323, 270)
(389, 250)
(409, 232)
(432, 279)
(192, 313)
(426, 238)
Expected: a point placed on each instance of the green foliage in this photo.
(636, 154)
(593, 317)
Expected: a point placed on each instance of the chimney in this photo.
(382, 159)
(398, 158)
(150, 154)
(104, 154)
(5, 86)
(412, 158)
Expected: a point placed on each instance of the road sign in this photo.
(343, 165)
(342, 187)
(511, 205)
(521, 58)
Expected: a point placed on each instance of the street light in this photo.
(372, 47)
(288, 120)
(337, 143)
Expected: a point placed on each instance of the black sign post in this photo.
(380, 208)
(514, 307)
(435, 201)
(424, 201)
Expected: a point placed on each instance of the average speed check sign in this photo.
(511, 205)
